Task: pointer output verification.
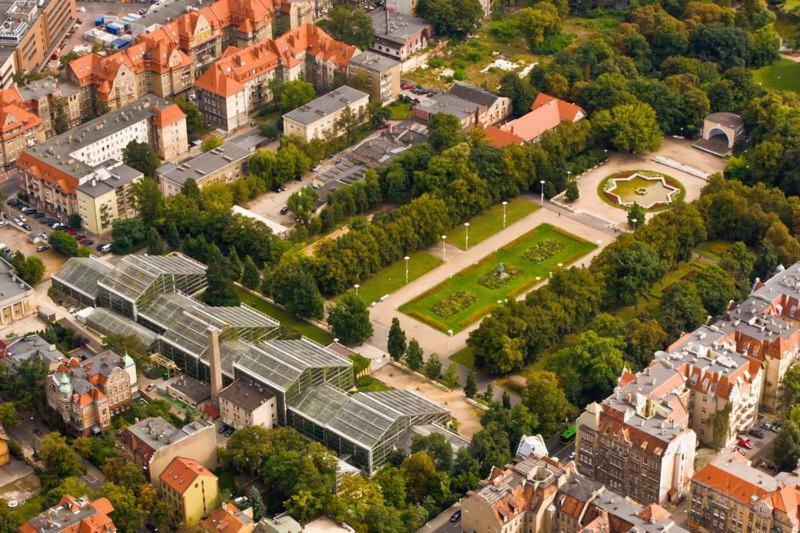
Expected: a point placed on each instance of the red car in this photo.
(744, 443)
(72, 231)
(408, 86)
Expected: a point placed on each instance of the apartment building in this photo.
(88, 393)
(320, 118)
(153, 443)
(32, 29)
(167, 60)
(244, 403)
(58, 104)
(224, 164)
(71, 515)
(16, 296)
(107, 197)
(638, 441)
(729, 495)
(237, 84)
(190, 488)
(539, 494)
(53, 171)
(382, 74)
(19, 128)
(472, 106)
(399, 36)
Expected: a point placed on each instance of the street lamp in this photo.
(449, 338)
(504, 213)
(541, 182)
(444, 248)
(466, 235)
(406, 259)
(356, 286)
(634, 223)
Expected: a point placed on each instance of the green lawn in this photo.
(783, 75)
(399, 110)
(392, 277)
(370, 384)
(464, 357)
(483, 226)
(464, 300)
(286, 319)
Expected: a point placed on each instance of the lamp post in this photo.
(406, 258)
(449, 338)
(634, 223)
(541, 182)
(356, 286)
(466, 235)
(444, 248)
(504, 213)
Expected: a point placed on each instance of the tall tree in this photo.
(414, 355)
(251, 276)
(396, 344)
(293, 287)
(444, 131)
(220, 290)
(352, 26)
(349, 320)
(629, 127)
(58, 459)
(138, 155)
(293, 94)
(155, 245)
(453, 18)
(544, 396)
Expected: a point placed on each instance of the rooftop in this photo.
(182, 472)
(134, 274)
(73, 514)
(449, 104)
(325, 105)
(157, 433)
(37, 89)
(24, 348)
(373, 61)
(83, 274)
(198, 391)
(401, 27)
(105, 321)
(109, 178)
(204, 164)
(11, 286)
(245, 394)
(473, 93)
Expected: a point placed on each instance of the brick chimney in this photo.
(215, 364)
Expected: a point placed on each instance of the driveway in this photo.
(591, 204)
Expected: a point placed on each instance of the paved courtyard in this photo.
(675, 149)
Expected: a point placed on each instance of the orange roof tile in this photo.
(547, 112)
(567, 111)
(14, 121)
(168, 115)
(181, 473)
(224, 520)
(500, 138)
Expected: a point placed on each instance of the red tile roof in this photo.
(182, 472)
(168, 115)
(547, 112)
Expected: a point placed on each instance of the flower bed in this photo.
(543, 250)
(497, 277)
(455, 303)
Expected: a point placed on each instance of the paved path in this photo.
(435, 341)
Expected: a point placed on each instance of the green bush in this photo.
(543, 250)
(455, 303)
(505, 30)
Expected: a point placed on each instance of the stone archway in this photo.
(717, 133)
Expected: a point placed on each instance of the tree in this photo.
(572, 192)
(629, 127)
(786, 450)
(124, 473)
(643, 338)
(235, 264)
(437, 446)
(58, 459)
(444, 131)
(378, 115)
(681, 309)
(155, 245)
(349, 320)
(450, 376)
(74, 221)
(347, 122)
(414, 355)
(301, 204)
(220, 290)
(30, 269)
(422, 479)
(127, 345)
(544, 396)
(63, 243)
(433, 367)
(790, 392)
(138, 155)
(490, 447)
(127, 235)
(538, 22)
(352, 26)
(470, 387)
(251, 276)
(716, 289)
(8, 415)
(294, 287)
(128, 515)
(629, 267)
(396, 345)
(211, 142)
(194, 118)
(293, 94)
(453, 18)
(637, 213)
(259, 509)
(60, 121)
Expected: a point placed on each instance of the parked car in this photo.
(87, 242)
(744, 443)
(105, 248)
(455, 517)
(42, 247)
(28, 211)
(757, 433)
(26, 227)
(222, 429)
(39, 216)
(408, 86)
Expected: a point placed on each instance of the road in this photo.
(442, 524)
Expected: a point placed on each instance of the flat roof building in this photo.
(72, 514)
(399, 36)
(320, 117)
(382, 73)
(224, 164)
(16, 296)
(107, 197)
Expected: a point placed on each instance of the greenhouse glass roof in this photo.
(281, 362)
(82, 274)
(134, 274)
(106, 322)
(364, 417)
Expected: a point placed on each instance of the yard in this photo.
(287, 320)
(399, 110)
(391, 278)
(490, 222)
(783, 75)
(508, 272)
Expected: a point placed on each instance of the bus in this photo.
(569, 434)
